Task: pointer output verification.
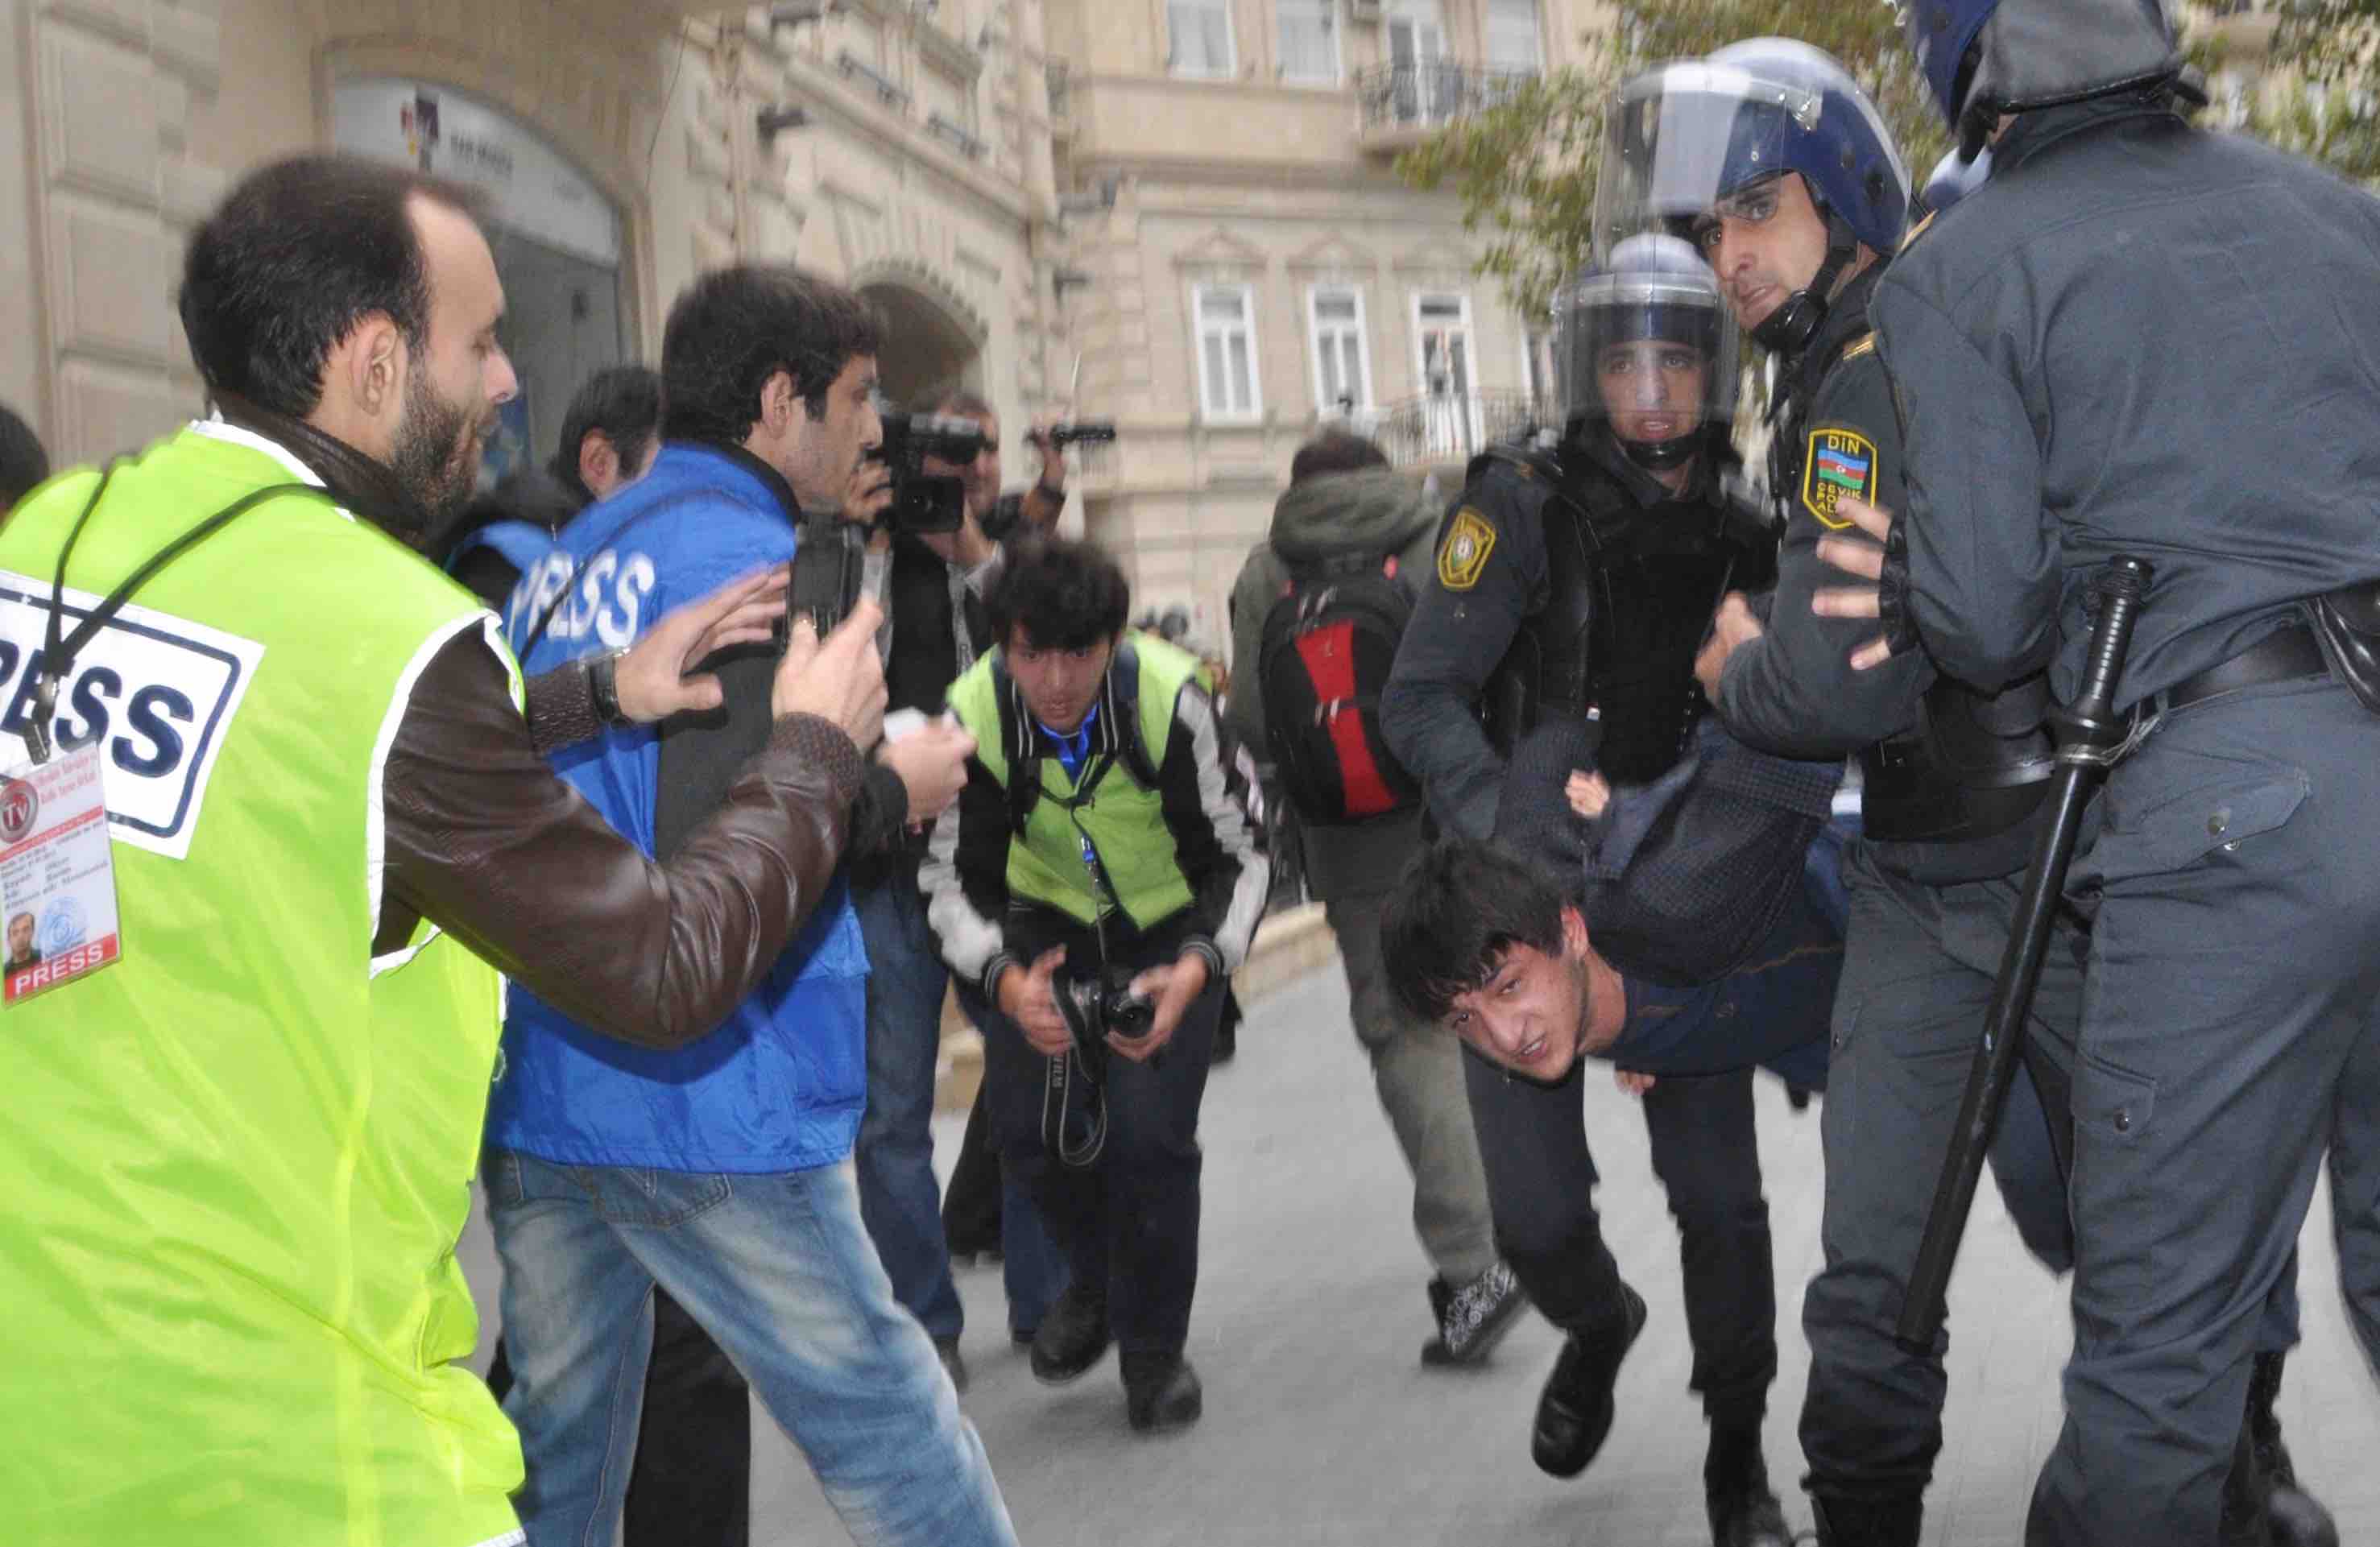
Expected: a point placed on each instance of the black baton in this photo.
(2089, 736)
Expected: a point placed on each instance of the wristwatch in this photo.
(603, 685)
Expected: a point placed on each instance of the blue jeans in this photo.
(780, 1270)
(898, 1196)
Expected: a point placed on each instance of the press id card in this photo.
(57, 876)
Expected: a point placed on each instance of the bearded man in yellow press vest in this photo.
(239, 1154)
(1098, 886)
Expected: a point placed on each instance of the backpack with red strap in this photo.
(1323, 663)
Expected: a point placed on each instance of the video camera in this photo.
(922, 503)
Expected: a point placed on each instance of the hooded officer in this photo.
(2054, 420)
(1778, 163)
(1572, 588)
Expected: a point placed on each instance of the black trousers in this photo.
(1130, 1220)
(692, 1485)
(1541, 1183)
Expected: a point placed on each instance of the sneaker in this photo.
(947, 1350)
(1072, 1338)
(1160, 1391)
(1574, 1411)
(1475, 1318)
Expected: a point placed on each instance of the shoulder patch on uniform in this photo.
(1465, 555)
(1918, 230)
(1840, 464)
(1865, 345)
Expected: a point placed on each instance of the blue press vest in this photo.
(522, 544)
(779, 1087)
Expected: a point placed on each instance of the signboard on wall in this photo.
(529, 187)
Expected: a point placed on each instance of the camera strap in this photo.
(59, 648)
(1073, 1112)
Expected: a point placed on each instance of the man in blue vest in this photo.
(722, 1172)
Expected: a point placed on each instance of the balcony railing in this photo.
(1442, 427)
(1425, 96)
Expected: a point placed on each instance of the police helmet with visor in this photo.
(1646, 344)
(1690, 141)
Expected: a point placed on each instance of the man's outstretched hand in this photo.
(1862, 556)
(656, 679)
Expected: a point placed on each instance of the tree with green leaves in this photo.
(1525, 168)
(2326, 51)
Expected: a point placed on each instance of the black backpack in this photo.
(1323, 663)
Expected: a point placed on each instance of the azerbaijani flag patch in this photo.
(1840, 464)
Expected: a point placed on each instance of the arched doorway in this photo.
(926, 350)
(557, 240)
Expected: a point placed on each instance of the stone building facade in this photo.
(624, 145)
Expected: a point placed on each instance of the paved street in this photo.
(1322, 1428)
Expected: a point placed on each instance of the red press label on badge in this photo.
(57, 876)
(46, 974)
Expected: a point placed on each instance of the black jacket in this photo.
(2135, 338)
(1492, 577)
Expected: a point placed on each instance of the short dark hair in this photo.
(1334, 451)
(297, 255)
(735, 328)
(965, 405)
(24, 465)
(624, 403)
(1068, 596)
(1458, 910)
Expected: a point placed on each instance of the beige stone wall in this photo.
(140, 113)
(1245, 180)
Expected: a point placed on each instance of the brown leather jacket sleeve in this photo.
(484, 840)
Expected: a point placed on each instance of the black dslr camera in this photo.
(921, 503)
(1092, 1006)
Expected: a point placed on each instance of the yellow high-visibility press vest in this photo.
(238, 1159)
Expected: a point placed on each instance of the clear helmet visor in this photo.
(1652, 355)
(1683, 141)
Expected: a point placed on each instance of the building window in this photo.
(1342, 370)
(1512, 36)
(1200, 33)
(1309, 42)
(1227, 351)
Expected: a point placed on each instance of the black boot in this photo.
(1575, 1410)
(1893, 1521)
(1161, 1391)
(2291, 1514)
(1073, 1336)
(1743, 1508)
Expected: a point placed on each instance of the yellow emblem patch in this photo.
(1461, 561)
(1840, 464)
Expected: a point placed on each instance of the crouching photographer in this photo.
(1099, 886)
(915, 532)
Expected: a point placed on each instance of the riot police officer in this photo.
(2229, 1034)
(1782, 170)
(1576, 585)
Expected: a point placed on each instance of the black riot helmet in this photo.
(1648, 347)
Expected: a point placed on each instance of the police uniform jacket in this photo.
(1793, 691)
(1496, 573)
(2134, 338)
